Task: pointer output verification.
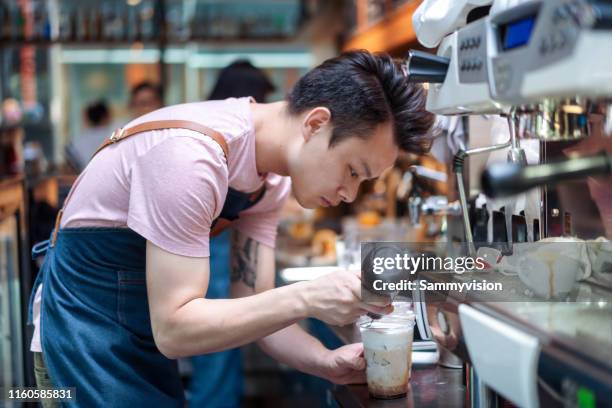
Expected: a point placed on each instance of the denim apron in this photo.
(95, 322)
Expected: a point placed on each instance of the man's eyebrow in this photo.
(366, 168)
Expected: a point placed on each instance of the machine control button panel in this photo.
(553, 42)
(471, 53)
(473, 64)
(470, 43)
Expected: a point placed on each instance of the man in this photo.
(125, 273)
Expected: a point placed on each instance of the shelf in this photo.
(390, 33)
(154, 42)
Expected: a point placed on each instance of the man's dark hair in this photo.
(97, 112)
(239, 79)
(363, 90)
(144, 85)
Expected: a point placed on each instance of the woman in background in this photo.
(217, 380)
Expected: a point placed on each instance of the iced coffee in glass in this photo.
(387, 344)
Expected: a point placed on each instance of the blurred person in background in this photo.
(98, 120)
(239, 79)
(145, 97)
(217, 379)
(11, 138)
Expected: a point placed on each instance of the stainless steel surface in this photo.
(515, 153)
(425, 67)
(416, 204)
(459, 162)
(509, 179)
(582, 324)
(555, 119)
(445, 327)
(433, 205)
(428, 173)
(466, 218)
(414, 209)
(487, 149)
(450, 360)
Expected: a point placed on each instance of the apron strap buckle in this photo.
(117, 135)
(58, 220)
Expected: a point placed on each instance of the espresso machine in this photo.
(546, 67)
(458, 85)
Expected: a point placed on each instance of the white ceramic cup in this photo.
(549, 274)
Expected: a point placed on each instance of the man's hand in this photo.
(345, 365)
(335, 298)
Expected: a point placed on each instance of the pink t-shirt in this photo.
(169, 185)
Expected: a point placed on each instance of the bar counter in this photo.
(430, 385)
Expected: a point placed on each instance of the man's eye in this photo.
(353, 173)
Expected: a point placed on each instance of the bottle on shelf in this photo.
(19, 24)
(146, 16)
(95, 25)
(82, 22)
(65, 24)
(132, 29)
(5, 19)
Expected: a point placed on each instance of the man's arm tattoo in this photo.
(243, 264)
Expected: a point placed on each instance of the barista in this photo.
(129, 261)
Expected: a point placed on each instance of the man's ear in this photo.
(314, 121)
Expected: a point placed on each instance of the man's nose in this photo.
(348, 193)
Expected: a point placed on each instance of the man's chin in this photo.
(309, 205)
(305, 203)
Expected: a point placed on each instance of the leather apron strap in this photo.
(123, 133)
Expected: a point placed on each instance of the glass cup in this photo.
(387, 344)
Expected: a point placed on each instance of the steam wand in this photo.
(458, 162)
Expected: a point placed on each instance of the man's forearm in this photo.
(298, 349)
(209, 325)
